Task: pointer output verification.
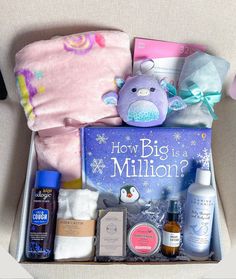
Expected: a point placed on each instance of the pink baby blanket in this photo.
(65, 78)
(61, 83)
(61, 152)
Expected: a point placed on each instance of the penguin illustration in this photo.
(129, 194)
(129, 198)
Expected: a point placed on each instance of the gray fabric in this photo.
(192, 116)
(208, 73)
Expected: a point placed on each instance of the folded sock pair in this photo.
(71, 241)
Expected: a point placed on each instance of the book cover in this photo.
(127, 163)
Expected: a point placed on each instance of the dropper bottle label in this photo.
(171, 239)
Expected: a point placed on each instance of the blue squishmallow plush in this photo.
(142, 101)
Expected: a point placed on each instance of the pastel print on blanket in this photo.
(27, 90)
(66, 77)
(83, 43)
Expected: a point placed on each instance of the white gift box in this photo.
(29, 183)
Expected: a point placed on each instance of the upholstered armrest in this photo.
(224, 152)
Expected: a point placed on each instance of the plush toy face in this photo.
(142, 101)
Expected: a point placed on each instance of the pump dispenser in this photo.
(199, 210)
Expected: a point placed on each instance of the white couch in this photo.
(201, 21)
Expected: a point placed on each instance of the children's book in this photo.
(127, 164)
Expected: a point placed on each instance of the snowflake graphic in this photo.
(145, 184)
(97, 166)
(193, 142)
(110, 190)
(177, 136)
(128, 138)
(166, 192)
(90, 153)
(148, 191)
(204, 159)
(101, 139)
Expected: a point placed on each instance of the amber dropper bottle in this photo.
(171, 231)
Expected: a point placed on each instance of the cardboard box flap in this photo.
(10, 268)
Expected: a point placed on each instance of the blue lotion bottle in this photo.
(199, 210)
(42, 216)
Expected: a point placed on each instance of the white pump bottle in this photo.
(199, 212)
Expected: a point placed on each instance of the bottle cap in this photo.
(203, 177)
(173, 206)
(173, 210)
(47, 179)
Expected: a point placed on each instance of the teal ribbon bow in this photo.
(195, 95)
